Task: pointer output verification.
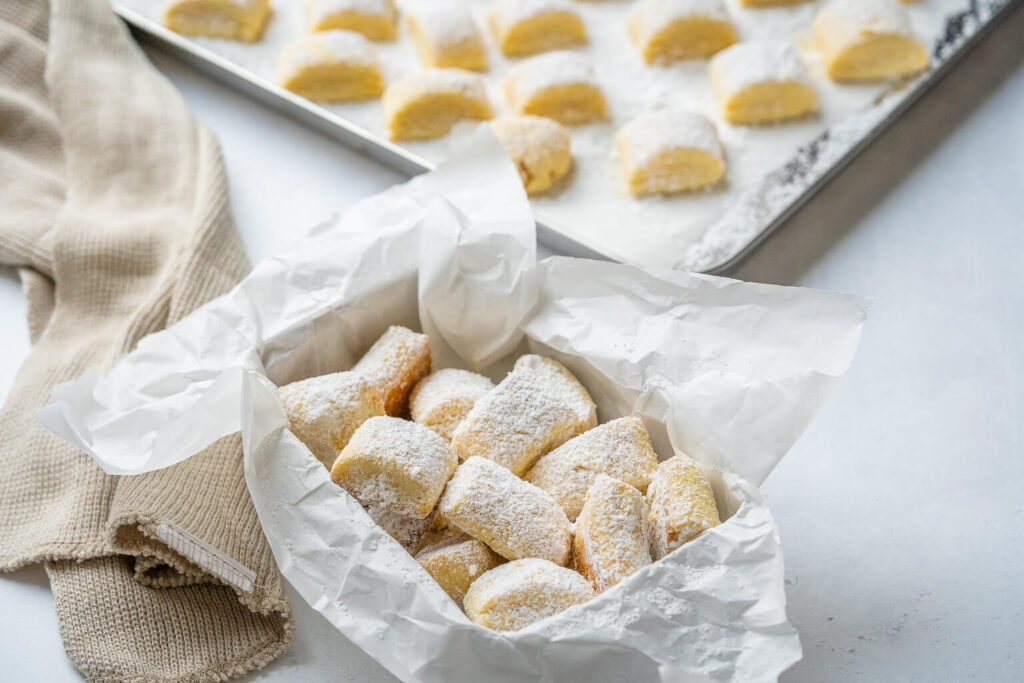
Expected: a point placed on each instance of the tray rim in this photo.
(554, 235)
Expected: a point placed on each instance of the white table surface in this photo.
(901, 509)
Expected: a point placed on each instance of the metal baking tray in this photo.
(782, 192)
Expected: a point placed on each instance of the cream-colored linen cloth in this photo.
(114, 208)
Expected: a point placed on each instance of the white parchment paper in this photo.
(728, 372)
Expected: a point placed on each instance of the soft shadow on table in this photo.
(843, 203)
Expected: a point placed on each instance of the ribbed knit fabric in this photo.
(114, 208)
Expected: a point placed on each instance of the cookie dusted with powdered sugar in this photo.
(761, 82)
(324, 412)
(539, 147)
(515, 518)
(559, 85)
(397, 471)
(331, 66)
(537, 407)
(612, 540)
(456, 563)
(527, 27)
(427, 104)
(228, 19)
(681, 503)
(394, 364)
(446, 35)
(620, 448)
(442, 399)
(669, 151)
(374, 19)
(865, 40)
(667, 31)
(520, 593)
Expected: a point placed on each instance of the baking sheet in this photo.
(772, 169)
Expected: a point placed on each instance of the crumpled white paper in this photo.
(728, 372)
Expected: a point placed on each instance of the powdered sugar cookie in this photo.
(230, 19)
(559, 85)
(394, 364)
(681, 504)
(539, 147)
(620, 448)
(446, 35)
(669, 30)
(538, 406)
(669, 151)
(611, 541)
(867, 40)
(456, 563)
(324, 412)
(331, 66)
(520, 593)
(761, 82)
(442, 399)
(515, 518)
(427, 104)
(526, 27)
(375, 19)
(395, 466)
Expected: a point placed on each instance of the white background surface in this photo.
(902, 508)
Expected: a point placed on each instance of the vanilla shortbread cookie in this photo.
(520, 593)
(331, 66)
(427, 104)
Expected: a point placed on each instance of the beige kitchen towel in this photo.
(114, 208)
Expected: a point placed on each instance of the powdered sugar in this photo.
(318, 10)
(746, 64)
(515, 518)
(850, 20)
(653, 16)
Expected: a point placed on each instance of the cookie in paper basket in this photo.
(394, 364)
(457, 562)
(864, 40)
(761, 82)
(229, 19)
(539, 147)
(621, 449)
(520, 593)
(666, 31)
(558, 85)
(537, 407)
(375, 19)
(331, 66)
(514, 517)
(611, 540)
(427, 104)
(397, 471)
(324, 412)
(526, 27)
(681, 503)
(665, 152)
(445, 35)
(442, 399)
